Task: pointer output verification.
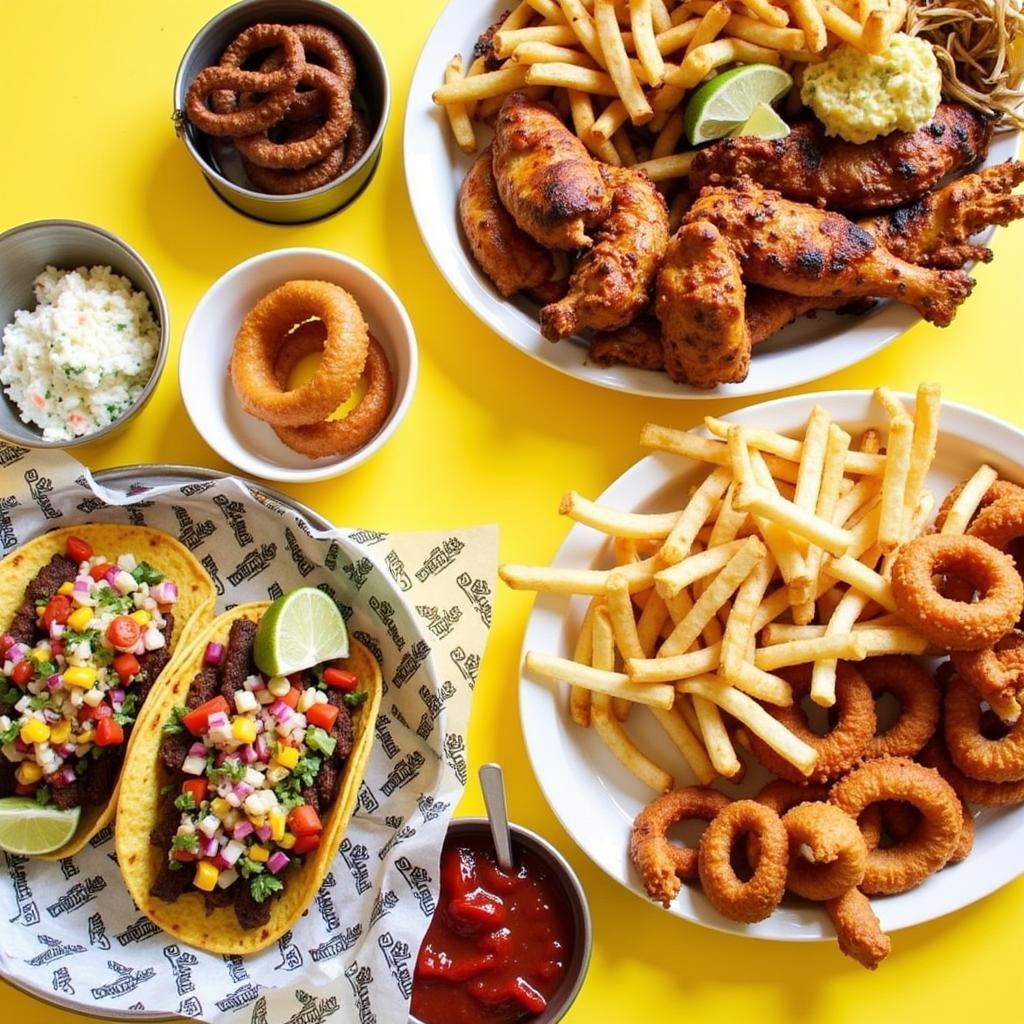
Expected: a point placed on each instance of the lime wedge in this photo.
(728, 100)
(298, 631)
(763, 123)
(29, 829)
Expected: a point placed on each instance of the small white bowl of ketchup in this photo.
(503, 947)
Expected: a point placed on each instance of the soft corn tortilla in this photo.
(186, 919)
(192, 610)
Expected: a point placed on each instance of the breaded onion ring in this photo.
(286, 183)
(357, 141)
(827, 853)
(986, 794)
(221, 82)
(780, 795)
(901, 819)
(957, 625)
(901, 867)
(361, 423)
(857, 928)
(1001, 524)
(662, 864)
(755, 899)
(994, 672)
(838, 749)
(975, 754)
(293, 155)
(999, 490)
(262, 334)
(918, 698)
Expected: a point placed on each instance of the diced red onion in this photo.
(261, 749)
(117, 696)
(280, 711)
(231, 852)
(242, 790)
(254, 684)
(54, 682)
(6, 641)
(209, 847)
(217, 720)
(56, 630)
(243, 828)
(165, 592)
(197, 750)
(220, 861)
(16, 652)
(64, 749)
(214, 654)
(247, 754)
(221, 757)
(64, 777)
(21, 746)
(277, 862)
(51, 716)
(264, 832)
(111, 574)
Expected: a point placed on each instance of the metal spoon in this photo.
(492, 783)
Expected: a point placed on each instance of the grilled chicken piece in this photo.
(612, 281)
(700, 296)
(796, 248)
(890, 171)
(508, 256)
(638, 345)
(545, 176)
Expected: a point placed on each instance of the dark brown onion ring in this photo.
(357, 141)
(901, 867)
(662, 864)
(918, 698)
(361, 424)
(974, 753)
(260, 149)
(287, 183)
(957, 625)
(755, 899)
(223, 81)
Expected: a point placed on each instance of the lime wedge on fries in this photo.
(728, 100)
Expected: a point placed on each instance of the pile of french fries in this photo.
(609, 65)
(781, 556)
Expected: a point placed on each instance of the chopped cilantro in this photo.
(43, 796)
(40, 701)
(173, 724)
(249, 867)
(353, 700)
(9, 694)
(45, 669)
(318, 739)
(7, 736)
(175, 865)
(167, 787)
(120, 327)
(70, 637)
(305, 770)
(82, 764)
(318, 676)
(109, 600)
(262, 886)
(185, 802)
(287, 793)
(73, 371)
(231, 769)
(187, 841)
(129, 707)
(145, 573)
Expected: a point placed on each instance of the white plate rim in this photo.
(427, 146)
(544, 720)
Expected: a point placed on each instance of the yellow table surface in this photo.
(491, 436)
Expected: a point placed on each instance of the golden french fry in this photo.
(762, 685)
(458, 118)
(922, 451)
(887, 399)
(823, 675)
(480, 87)
(788, 40)
(739, 628)
(615, 684)
(641, 21)
(569, 76)
(682, 442)
(652, 620)
(870, 441)
(578, 17)
(857, 501)
(518, 17)
(812, 528)
(767, 12)
(620, 611)
(812, 460)
(582, 109)
(549, 10)
(716, 738)
(699, 63)
(617, 62)
(506, 43)
(618, 524)
(894, 482)
(624, 147)
(679, 666)
(728, 522)
(967, 501)
(840, 24)
(697, 512)
(668, 138)
(695, 567)
(612, 118)
(850, 647)
(755, 718)
(579, 698)
(549, 53)
(708, 28)
(686, 741)
(866, 580)
(879, 26)
(660, 16)
(550, 579)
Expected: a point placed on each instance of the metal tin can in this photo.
(218, 159)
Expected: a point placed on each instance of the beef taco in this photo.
(242, 786)
(90, 618)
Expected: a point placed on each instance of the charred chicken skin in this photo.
(612, 280)
(545, 176)
(509, 257)
(810, 167)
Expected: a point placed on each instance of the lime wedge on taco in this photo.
(299, 630)
(28, 829)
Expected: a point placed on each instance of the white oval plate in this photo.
(434, 169)
(596, 799)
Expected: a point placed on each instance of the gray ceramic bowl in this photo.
(218, 159)
(576, 971)
(25, 252)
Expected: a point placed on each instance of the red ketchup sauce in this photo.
(497, 948)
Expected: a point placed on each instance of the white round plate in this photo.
(434, 169)
(596, 799)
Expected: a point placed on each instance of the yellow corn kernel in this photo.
(80, 675)
(287, 757)
(243, 728)
(66, 588)
(206, 875)
(34, 731)
(287, 841)
(85, 736)
(220, 807)
(258, 853)
(78, 620)
(276, 820)
(257, 820)
(28, 772)
(37, 655)
(60, 732)
(142, 617)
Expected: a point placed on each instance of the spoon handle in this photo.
(493, 785)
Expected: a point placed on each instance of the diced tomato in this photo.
(23, 672)
(56, 648)
(108, 733)
(304, 821)
(198, 720)
(185, 855)
(25, 789)
(124, 632)
(6, 643)
(197, 787)
(127, 667)
(291, 698)
(339, 679)
(88, 714)
(78, 550)
(97, 572)
(323, 715)
(57, 610)
(303, 844)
